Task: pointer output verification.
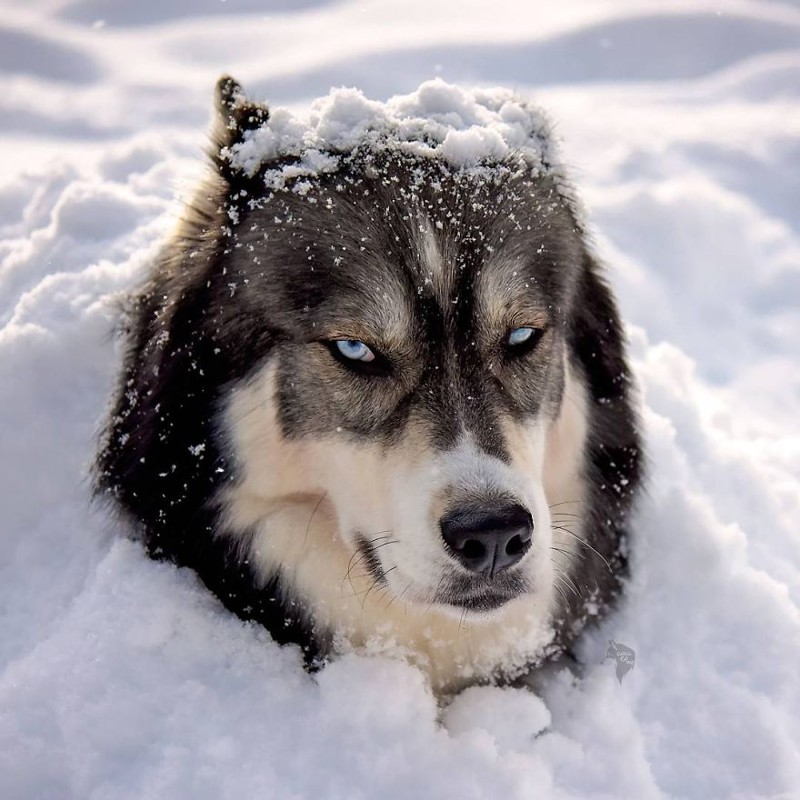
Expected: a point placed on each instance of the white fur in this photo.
(306, 500)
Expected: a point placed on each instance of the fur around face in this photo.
(307, 494)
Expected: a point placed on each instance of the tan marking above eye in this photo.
(354, 334)
(521, 313)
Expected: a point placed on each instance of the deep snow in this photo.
(122, 678)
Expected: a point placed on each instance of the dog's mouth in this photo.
(474, 594)
(481, 603)
(482, 594)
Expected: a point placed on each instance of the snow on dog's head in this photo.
(376, 389)
(460, 127)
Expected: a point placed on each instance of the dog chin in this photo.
(484, 604)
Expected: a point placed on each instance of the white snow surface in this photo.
(123, 678)
(463, 128)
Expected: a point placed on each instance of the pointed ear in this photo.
(235, 114)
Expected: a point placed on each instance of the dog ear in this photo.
(235, 115)
(236, 112)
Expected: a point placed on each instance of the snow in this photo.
(463, 128)
(123, 678)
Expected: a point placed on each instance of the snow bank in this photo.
(123, 678)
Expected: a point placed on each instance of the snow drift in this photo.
(123, 678)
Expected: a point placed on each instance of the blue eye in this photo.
(354, 350)
(520, 336)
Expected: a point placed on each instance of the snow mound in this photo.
(464, 128)
(123, 678)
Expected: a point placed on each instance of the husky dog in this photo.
(382, 402)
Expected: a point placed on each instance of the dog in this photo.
(376, 393)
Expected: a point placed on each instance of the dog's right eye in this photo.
(522, 341)
(358, 357)
(354, 350)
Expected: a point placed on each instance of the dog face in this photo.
(414, 414)
(379, 398)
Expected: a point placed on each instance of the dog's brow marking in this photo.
(502, 282)
(432, 266)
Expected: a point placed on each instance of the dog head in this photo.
(375, 385)
(411, 411)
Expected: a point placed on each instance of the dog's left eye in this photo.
(520, 336)
(354, 350)
(523, 340)
(359, 357)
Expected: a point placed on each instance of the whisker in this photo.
(565, 582)
(352, 563)
(350, 567)
(586, 544)
(310, 519)
(383, 544)
(434, 596)
(566, 503)
(570, 582)
(361, 576)
(569, 553)
(557, 587)
(378, 536)
(397, 596)
(382, 595)
(374, 583)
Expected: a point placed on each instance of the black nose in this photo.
(488, 538)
